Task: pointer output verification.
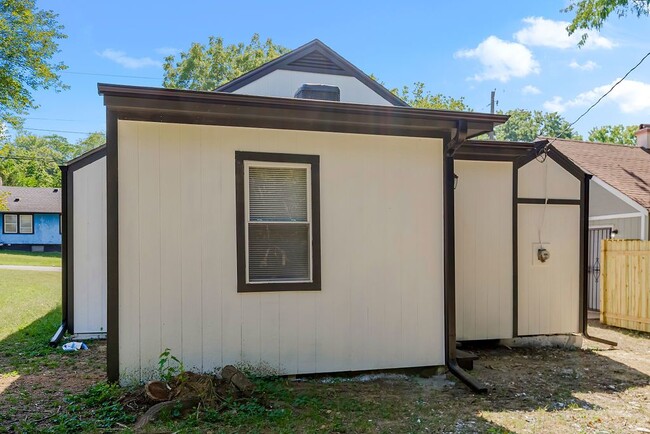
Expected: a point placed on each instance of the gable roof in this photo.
(33, 199)
(312, 57)
(626, 168)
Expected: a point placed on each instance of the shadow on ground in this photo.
(34, 378)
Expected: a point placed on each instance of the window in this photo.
(278, 222)
(26, 224)
(18, 224)
(10, 224)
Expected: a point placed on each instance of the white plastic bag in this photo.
(74, 346)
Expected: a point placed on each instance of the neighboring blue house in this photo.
(33, 220)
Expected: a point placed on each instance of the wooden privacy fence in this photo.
(625, 284)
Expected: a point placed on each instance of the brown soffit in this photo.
(218, 108)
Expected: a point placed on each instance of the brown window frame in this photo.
(314, 161)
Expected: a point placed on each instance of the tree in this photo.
(3, 200)
(526, 125)
(419, 97)
(618, 134)
(206, 68)
(591, 14)
(32, 161)
(28, 41)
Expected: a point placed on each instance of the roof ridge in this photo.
(620, 145)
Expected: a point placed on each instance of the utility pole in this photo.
(491, 134)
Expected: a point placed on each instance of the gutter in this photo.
(54, 341)
(449, 148)
(584, 245)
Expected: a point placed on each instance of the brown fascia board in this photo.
(86, 158)
(219, 108)
(493, 150)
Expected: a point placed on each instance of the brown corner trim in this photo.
(112, 250)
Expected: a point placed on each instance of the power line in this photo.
(110, 75)
(59, 131)
(11, 157)
(545, 149)
(57, 120)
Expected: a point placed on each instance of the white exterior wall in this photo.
(89, 241)
(549, 293)
(603, 203)
(483, 219)
(381, 303)
(284, 83)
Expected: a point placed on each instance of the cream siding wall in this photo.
(381, 304)
(559, 183)
(483, 216)
(284, 83)
(548, 293)
(89, 243)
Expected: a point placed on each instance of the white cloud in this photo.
(121, 58)
(167, 51)
(631, 97)
(529, 89)
(549, 33)
(501, 60)
(589, 65)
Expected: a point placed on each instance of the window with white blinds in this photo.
(10, 224)
(26, 224)
(278, 222)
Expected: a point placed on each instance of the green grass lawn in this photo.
(30, 303)
(48, 259)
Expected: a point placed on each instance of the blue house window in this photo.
(18, 224)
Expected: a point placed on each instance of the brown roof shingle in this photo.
(33, 199)
(626, 168)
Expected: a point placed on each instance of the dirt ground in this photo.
(543, 390)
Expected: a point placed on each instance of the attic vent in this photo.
(17, 199)
(316, 60)
(323, 92)
(56, 190)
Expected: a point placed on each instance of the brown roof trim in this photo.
(288, 62)
(218, 108)
(493, 150)
(86, 158)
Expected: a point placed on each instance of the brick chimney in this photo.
(643, 136)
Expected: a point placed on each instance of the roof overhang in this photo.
(495, 150)
(219, 108)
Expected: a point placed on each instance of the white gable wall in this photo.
(285, 83)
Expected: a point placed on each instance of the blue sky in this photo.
(459, 49)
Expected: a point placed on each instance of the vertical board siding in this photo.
(381, 303)
(549, 293)
(90, 248)
(171, 319)
(483, 219)
(560, 184)
(625, 284)
(129, 263)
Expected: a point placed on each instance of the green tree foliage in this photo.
(619, 134)
(28, 41)
(526, 125)
(3, 201)
(33, 161)
(419, 97)
(208, 67)
(591, 14)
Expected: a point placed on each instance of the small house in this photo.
(31, 220)
(304, 218)
(619, 195)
